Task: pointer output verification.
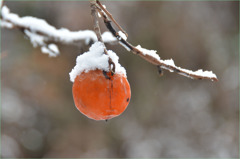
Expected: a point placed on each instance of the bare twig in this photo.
(98, 33)
(161, 64)
(48, 32)
(1, 3)
(95, 21)
(111, 17)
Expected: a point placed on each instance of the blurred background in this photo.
(168, 117)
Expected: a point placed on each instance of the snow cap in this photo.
(94, 59)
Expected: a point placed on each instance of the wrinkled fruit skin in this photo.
(101, 95)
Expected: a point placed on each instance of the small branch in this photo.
(40, 33)
(111, 17)
(98, 33)
(152, 57)
(95, 21)
(1, 3)
(42, 28)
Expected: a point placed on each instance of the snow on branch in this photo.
(42, 34)
(151, 55)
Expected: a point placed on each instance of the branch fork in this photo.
(98, 33)
(46, 36)
(150, 55)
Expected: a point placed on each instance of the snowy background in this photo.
(169, 116)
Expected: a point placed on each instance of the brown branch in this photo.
(48, 32)
(68, 37)
(95, 21)
(161, 64)
(98, 33)
(111, 17)
(47, 37)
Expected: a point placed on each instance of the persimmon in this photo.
(101, 95)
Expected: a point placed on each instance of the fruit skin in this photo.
(101, 95)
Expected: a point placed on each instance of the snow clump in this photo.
(94, 59)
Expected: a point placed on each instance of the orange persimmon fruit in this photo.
(101, 95)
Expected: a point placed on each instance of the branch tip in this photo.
(151, 56)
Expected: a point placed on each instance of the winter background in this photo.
(169, 116)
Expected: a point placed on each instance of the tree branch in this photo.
(95, 21)
(111, 17)
(41, 34)
(153, 58)
(98, 33)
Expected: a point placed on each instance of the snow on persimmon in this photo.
(99, 93)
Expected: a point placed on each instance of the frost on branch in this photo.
(38, 40)
(170, 66)
(94, 59)
(43, 35)
(40, 33)
(151, 55)
(51, 50)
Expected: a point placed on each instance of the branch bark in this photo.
(48, 32)
(97, 30)
(111, 17)
(42, 36)
(161, 64)
(95, 21)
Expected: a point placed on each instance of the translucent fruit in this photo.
(101, 95)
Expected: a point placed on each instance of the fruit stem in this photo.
(97, 31)
(95, 21)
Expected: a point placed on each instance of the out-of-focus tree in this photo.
(169, 116)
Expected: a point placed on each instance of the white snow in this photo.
(39, 32)
(7, 25)
(108, 37)
(171, 63)
(199, 72)
(40, 25)
(54, 48)
(168, 62)
(51, 50)
(99, 15)
(94, 59)
(36, 40)
(122, 35)
(36, 25)
(4, 11)
(125, 46)
(152, 53)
